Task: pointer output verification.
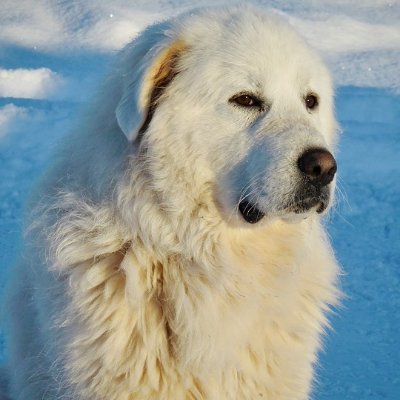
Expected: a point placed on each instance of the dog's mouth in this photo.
(304, 205)
(305, 200)
(250, 212)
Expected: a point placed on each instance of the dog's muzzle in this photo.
(318, 168)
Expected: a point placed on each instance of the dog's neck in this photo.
(204, 274)
(210, 292)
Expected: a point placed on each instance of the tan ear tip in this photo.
(161, 74)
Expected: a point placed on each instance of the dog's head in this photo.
(234, 100)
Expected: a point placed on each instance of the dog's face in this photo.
(246, 106)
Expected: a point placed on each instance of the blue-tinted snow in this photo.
(362, 354)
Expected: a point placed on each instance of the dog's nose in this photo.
(318, 165)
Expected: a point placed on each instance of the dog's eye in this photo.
(311, 101)
(246, 100)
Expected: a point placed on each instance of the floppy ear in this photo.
(144, 83)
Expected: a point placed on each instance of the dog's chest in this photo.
(243, 328)
(237, 331)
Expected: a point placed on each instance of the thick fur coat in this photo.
(141, 278)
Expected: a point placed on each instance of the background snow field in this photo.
(51, 55)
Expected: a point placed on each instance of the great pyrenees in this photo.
(175, 248)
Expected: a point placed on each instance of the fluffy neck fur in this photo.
(188, 309)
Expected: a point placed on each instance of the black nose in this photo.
(318, 165)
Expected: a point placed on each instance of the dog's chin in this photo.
(307, 205)
(293, 212)
(298, 214)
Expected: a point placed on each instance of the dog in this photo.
(175, 248)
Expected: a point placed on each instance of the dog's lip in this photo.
(320, 204)
(250, 212)
(323, 205)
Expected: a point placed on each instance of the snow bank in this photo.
(39, 83)
(353, 37)
(343, 34)
(50, 26)
(359, 53)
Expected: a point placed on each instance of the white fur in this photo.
(140, 278)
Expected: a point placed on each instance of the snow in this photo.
(39, 83)
(8, 114)
(62, 26)
(51, 55)
(362, 354)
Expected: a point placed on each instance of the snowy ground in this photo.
(52, 53)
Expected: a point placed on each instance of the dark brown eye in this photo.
(246, 100)
(311, 101)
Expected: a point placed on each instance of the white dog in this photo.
(189, 261)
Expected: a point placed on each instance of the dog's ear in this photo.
(144, 86)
